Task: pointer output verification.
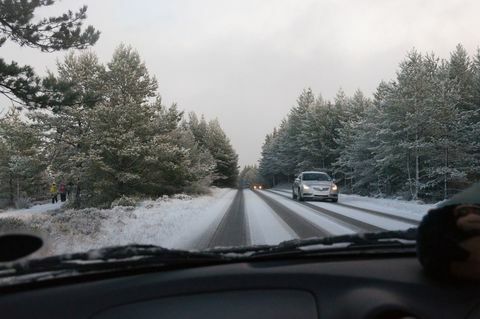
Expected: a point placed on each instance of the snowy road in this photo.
(271, 216)
(224, 218)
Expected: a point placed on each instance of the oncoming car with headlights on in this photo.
(314, 185)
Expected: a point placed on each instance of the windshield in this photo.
(187, 124)
(316, 177)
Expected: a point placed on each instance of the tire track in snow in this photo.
(300, 225)
(381, 214)
(233, 228)
(403, 219)
(200, 230)
(342, 219)
(265, 226)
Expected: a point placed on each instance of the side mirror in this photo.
(16, 246)
(297, 180)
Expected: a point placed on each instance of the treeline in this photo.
(114, 138)
(249, 175)
(418, 137)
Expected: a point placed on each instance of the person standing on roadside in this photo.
(54, 193)
(63, 192)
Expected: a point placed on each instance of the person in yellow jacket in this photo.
(54, 193)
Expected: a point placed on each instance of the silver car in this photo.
(314, 185)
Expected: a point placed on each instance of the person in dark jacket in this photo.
(63, 192)
(448, 238)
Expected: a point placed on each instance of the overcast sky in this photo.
(245, 62)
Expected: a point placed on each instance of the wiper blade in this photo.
(354, 239)
(110, 258)
(361, 240)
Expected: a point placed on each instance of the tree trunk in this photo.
(409, 175)
(77, 196)
(10, 190)
(445, 178)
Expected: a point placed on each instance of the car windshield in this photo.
(197, 125)
(316, 177)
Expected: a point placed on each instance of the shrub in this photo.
(182, 196)
(125, 201)
(23, 202)
(12, 224)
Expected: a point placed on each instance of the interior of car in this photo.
(384, 285)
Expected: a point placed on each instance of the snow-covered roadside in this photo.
(395, 206)
(35, 209)
(169, 222)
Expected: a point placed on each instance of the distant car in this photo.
(314, 185)
(258, 186)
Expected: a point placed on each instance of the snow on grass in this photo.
(264, 225)
(169, 222)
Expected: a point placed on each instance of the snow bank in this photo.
(170, 222)
(394, 206)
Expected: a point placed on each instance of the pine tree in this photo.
(226, 169)
(418, 138)
(22, 165)
(18, 24)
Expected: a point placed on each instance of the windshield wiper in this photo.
(387, 239)
(111, 258)
(145, 256)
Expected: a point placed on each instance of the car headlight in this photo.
(260, 187)
(334, 187)
(305, 187)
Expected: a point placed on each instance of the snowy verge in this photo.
(395, 206)
(35, 209)
(169, 222)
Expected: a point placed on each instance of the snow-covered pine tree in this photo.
(22, 164)
(20, 24)
(226, 169)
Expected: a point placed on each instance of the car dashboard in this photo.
(326, 288)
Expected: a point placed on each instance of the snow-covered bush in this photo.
(198, 189)
(9, 224)
(84, 221)
(125, 201)
(182, 196)
(23, 202)
(163, 198)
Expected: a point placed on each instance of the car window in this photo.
(316, 177)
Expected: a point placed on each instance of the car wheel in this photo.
(334, 200)
(300, 196)
(293, 194)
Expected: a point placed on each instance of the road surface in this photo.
(270, 216)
